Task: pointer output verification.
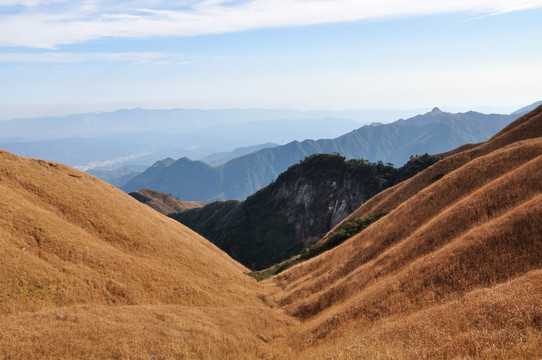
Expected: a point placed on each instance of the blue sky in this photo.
(60, 57)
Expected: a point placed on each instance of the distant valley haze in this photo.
(138, 136)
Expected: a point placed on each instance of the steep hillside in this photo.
(294, 211)
(87, 271)
(164, 203)
(433, 133)
(453, 271)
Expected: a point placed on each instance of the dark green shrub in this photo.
(345, 231)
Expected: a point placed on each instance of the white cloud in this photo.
(152, 58)
(28, 2)
(47, 25)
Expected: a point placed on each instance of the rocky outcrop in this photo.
(318, 199)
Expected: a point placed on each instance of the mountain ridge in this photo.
(164, 203)
(395, 142)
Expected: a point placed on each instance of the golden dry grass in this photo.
(88, 271)
(403, 287)
(144, 332)
(68, 238)
(454, 271)
(501, 322)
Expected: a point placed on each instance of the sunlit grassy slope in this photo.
(454, 270)
(164, 203)
(87, 270)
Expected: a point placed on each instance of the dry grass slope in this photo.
(165, 203)
(408, 286)
(87, 269)
(454, 271)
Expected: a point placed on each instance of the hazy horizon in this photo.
(59, 112)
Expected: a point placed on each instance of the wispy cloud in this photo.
(50, 23)
(153, 58)
(29, 3)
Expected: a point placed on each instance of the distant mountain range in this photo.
(120, 176)
(433, 132)
(113, 139)
(528, 108)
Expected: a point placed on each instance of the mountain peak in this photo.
(436, 110)
(163, 163)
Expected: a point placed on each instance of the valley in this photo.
(270, 180)
(453, 270)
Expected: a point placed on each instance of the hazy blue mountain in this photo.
(120, 176)
(433, 132)
(528, 108)
(199, 180)
(111, 140)
(181, 120)
(222, 157)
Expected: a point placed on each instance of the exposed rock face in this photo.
(315, 204)
(296, 210)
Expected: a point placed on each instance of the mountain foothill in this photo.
(452, 270)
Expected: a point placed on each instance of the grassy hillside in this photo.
(88, 271)
(453, 271)
(164, 203)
